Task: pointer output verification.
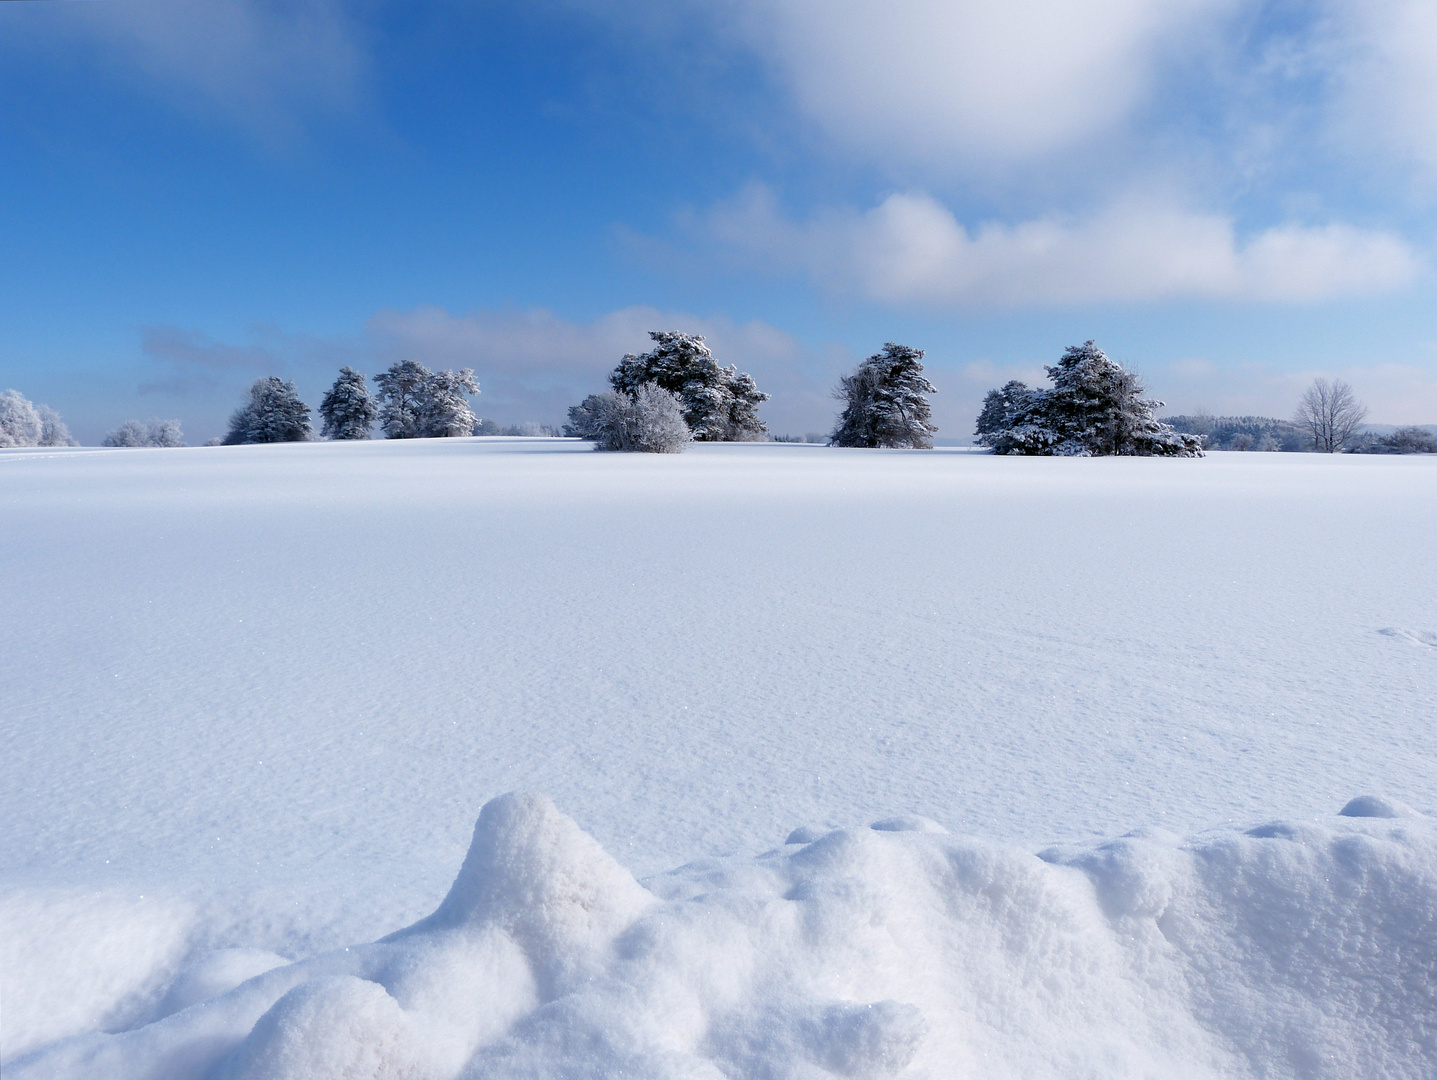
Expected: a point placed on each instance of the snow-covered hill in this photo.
(253, 698)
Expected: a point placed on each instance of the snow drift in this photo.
(1292, 950)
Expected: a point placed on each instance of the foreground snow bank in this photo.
(1304, 950)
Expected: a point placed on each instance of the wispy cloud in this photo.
(265, 66)
(192, 361)
(910, 249)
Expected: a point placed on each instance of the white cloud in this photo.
(910, 249)
(1385, 69)
(984, 81)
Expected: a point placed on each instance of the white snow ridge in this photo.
(1303, 950)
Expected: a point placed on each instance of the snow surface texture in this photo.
(252, 696)
(1301, 950)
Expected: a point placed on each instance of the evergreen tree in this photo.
(348, 409)
(1095, 407)
(401, 398)
(885, 402)
(999, 408)
(274, 413)
(444, 411)
(416, 403)
(720, 403)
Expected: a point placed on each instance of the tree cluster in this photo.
(663, 399)
(149, 433)
(885, 402)
(412, 403)
(23, 423)
(1095, 407)
(416, 403)
(720, 404)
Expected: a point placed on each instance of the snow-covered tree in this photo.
(651, 420)
(1095, 407)
(150, 433)
(886, 402)
(444, 411)
(20, 423)
(274, 413)
(165, 433)
(720, 403)
(401, 394)
(348, 409)
(53, 430)
(130, 433)
(416, 403)
(999, 408)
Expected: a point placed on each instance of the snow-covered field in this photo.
(253, 698)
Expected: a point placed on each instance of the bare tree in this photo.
(1330, 413)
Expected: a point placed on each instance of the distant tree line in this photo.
(1328, 420)
(1262, 433)
(677, 393)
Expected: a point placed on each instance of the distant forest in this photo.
(1243, 432)
(1269, 433)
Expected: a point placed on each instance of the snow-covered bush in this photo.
(150, 433)
(720, 404)
(651, 420)
(1095, 407)
(348, 409)
(416, 403)
(274, 413)
(885, 402)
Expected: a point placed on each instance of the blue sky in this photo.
(1232, 197)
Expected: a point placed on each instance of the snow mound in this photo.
(1373, 806)
(1289, 950)
(1416, 637)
